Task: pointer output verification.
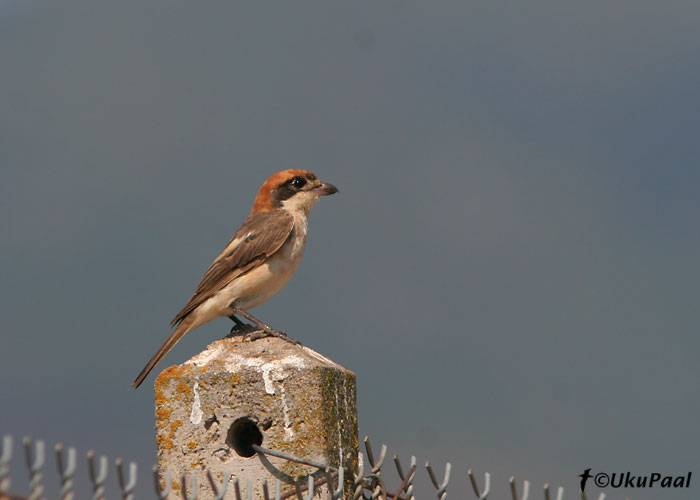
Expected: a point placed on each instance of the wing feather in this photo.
(260, 236)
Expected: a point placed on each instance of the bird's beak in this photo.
(325, 189)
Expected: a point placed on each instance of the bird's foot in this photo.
(251, 333)
(264, 330)
(254, 335)
(280, 335)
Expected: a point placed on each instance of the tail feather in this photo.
(174, 338)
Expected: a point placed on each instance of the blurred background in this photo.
(511, 266)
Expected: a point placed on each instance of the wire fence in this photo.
(368, 481)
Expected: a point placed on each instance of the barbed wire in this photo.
(367, 482)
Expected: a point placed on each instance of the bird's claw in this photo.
(251, 334)
(254, 335)
(281, 335)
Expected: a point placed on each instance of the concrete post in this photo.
(281, 396)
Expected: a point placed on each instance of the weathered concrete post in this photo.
(269, 392)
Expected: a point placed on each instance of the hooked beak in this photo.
(325, 189)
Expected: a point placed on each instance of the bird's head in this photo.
(294, 190)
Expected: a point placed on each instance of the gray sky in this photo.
(511, 266)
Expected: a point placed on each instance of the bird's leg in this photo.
(245, 330)
(239, 324)
(260, 324)
(271, 332)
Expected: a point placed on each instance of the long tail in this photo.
(174, 338)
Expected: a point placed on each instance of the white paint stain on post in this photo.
(272, 371)
(285, 412)
(340, 430)
(266, 369)
(196, 413)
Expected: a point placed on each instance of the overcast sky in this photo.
(511, 266)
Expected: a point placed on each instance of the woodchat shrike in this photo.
(258, 261)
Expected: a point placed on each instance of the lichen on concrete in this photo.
(303, 404)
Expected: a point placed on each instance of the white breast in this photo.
(261, 283)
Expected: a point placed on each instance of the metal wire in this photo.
(266, 493)
(338, 492)
(66, 470)
(310, 488)
(404, 483)
(162, 494)
(285, 456)
(408, 487)
(192, 495)
(357, 483)
(441, 487)
(219, 492)
(5, 458)
(376, 466)
(126, 485)
(35, 461)
(236, 489)
(366, 482)
(97, 477)
(514, 490)
(480, 495)
(560, 492)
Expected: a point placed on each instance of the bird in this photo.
(257, 263)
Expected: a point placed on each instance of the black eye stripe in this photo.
(288, 189)
(298, 182)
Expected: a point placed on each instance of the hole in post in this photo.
(242, 434)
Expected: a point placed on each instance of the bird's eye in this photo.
(298, 182)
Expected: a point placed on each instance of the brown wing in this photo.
(260, 236)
